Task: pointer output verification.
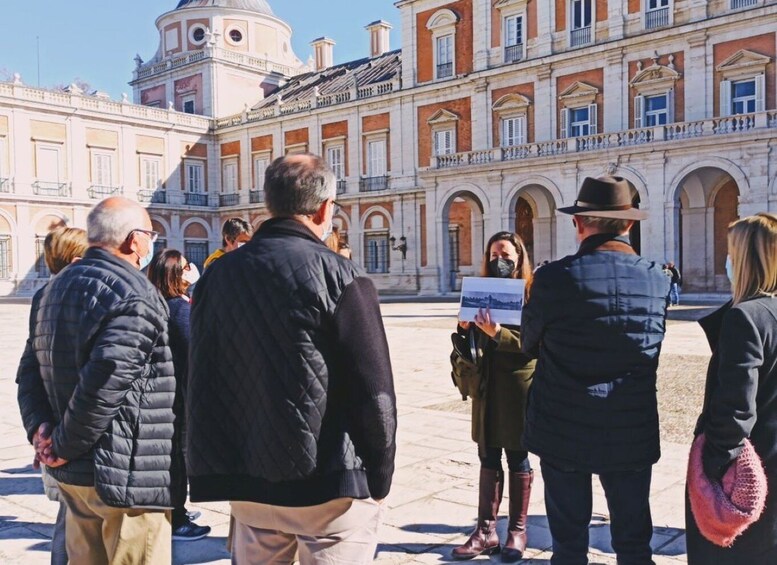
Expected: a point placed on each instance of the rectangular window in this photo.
(260, 167)
(5, 257)
(656, 110)
(581, 13)
(194, 178)
(445, 56)
(513, 37)
(579, 122)
(513, 131)
(47, 165)
(743, 97)
(102, 173)
(149, 169)
(229, 175)
(196, 252)
(376, 158)
(334, 158)
(188, 105)
(657, 4)
(376, 247)
(444, 143)
(656, 13)
(41, 268)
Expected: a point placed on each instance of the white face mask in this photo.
(192, 275)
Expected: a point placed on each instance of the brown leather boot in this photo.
(484, 538)
(520, 492)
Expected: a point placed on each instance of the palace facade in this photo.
(488, 118)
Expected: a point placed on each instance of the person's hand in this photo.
(464, 325)
(485, 323)
(44, 448)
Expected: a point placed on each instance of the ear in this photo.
(320, 216)
(129, 245)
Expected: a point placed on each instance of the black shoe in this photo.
(190, 532)
(193, 515)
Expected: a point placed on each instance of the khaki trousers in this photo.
(343, 531)
(98, 534)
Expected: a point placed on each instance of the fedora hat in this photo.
(605, 197)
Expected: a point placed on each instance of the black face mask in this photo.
(501, 268)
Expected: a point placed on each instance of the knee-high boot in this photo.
(484, 539)
(520, 492)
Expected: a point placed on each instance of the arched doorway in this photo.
(707, 201)
(463, 239)
(533, 217)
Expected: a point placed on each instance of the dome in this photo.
(258, 6)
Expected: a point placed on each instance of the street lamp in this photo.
(402, 247)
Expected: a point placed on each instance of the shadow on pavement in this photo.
(206, 550)
(29, 469)
(20, 485)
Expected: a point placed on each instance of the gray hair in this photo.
(112, 220)
(605, 225)
(297, 185)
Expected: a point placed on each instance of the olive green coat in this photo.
(498, 417)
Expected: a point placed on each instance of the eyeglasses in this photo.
(337, 207)
(152, 235)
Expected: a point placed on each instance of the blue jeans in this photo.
(569, 501)
(674, 294)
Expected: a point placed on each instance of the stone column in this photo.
(543, 240)
(175, 237)
(698, 9)
(354, 150)
(544, 41)
(409, 47)
(698, 102)
(615, 92)
(481, 110)
(545, 107)
(481, 16)
(616, 20)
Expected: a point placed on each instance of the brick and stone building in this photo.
(487, 118)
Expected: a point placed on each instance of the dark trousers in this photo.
(491, 458)
(569, 501)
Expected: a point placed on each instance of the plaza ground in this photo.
(434, 495)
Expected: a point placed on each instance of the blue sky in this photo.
(96, 40)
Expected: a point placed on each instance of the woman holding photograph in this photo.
(498, 414)
(740, 404)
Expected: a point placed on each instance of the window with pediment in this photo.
(443, 24)
(511, 110)
(654, 101)
(743, 83)
(443, 124)
(578, 116)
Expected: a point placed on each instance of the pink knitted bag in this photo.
(724, 510)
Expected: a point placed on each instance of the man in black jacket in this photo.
(96, 388)
(596, 321)
(291, 406)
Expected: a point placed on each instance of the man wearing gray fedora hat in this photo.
(596, 320)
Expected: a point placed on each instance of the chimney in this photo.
(323, 49)
(379, 37)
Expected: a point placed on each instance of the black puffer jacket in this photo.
(98, 365)
(596, 320)
(291, 397)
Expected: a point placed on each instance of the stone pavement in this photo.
(433, 500)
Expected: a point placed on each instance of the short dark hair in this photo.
(296, 186)
(233, 228)
(166, 273)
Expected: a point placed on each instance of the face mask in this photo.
(729, 269)
(327, 232)
(501, 268)
(146, 261)
(192, 275)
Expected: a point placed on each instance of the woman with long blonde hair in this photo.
(498, 412)
(741, 392)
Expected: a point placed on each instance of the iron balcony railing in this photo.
(229, 199)
(256, 196)
(6, 186)
(152, 196)
(736, 4)
(50, 188)
(581, 36)
(341, 186)
(195, 199)
(657, 18)
(98, 191)
(513, 53)
(373, 184)
(445, 70)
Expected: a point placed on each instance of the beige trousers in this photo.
(343, 531)
(98, 534)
